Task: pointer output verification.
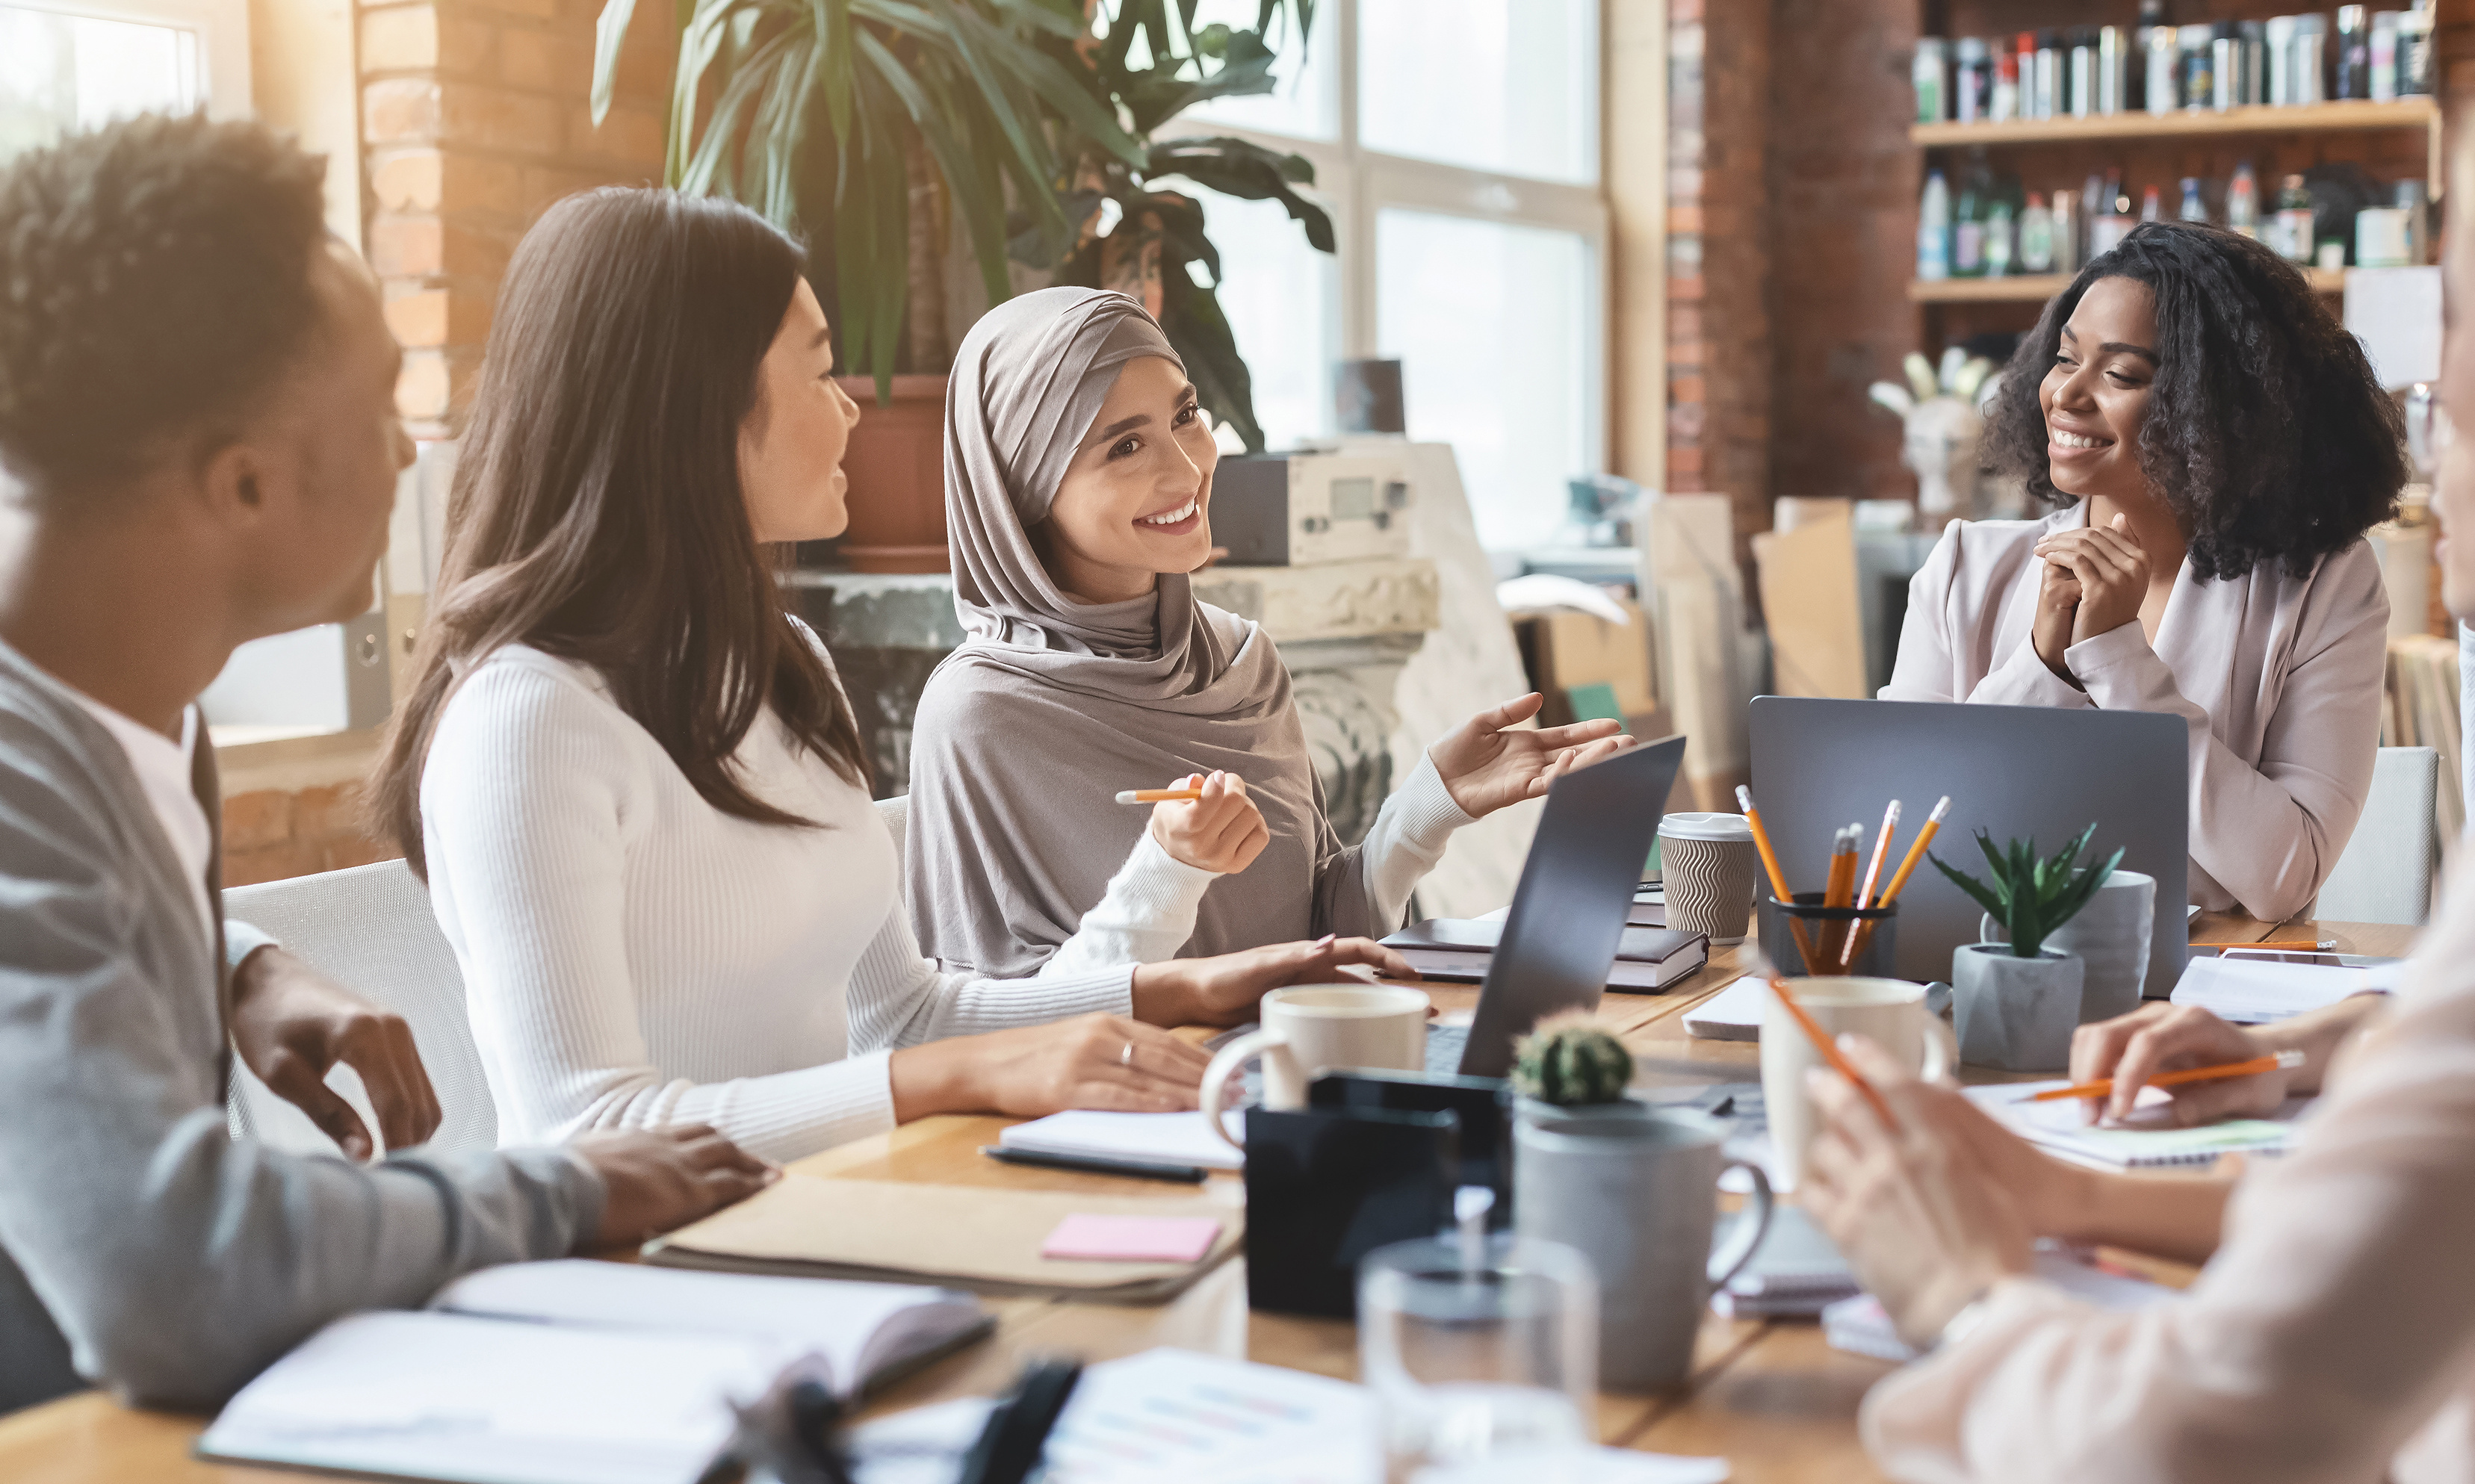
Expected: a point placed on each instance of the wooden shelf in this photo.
(2314, 118)
(2038, 288)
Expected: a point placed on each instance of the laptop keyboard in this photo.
(1444, 1047)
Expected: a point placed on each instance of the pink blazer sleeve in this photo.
(2331, 1337)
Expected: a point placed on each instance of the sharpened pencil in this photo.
(2103, 1087)
(1159, 795)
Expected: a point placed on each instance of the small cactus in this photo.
(1569, 1061)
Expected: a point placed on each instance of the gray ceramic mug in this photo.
(1639, 1197)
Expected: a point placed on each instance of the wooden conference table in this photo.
(1768, 1394)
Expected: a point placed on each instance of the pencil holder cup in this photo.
(1805, 938)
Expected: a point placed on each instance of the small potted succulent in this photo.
(1572, 1067)
(2016, 1004)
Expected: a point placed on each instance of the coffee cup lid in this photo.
(1729, 827)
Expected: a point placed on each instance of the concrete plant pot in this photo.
(2015, 1015)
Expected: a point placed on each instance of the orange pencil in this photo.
(1822, 1043)
(2103, 1087)
(2283, 945)
(1840, 890)
(1881, 848)
(1159, 795)
(1778, 877)
(1916, 852)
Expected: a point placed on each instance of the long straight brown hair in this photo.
(597, 513)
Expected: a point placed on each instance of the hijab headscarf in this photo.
(1025, 734)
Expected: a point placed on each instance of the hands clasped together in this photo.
(2095, 580)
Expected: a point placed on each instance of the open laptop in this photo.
(1568, 913)
(2010, 771)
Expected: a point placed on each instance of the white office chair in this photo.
(369, 928)
(2384, 873)
(895, 811)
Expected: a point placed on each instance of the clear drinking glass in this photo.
(1478, 1348)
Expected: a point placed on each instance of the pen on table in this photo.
(2103, 1087)
(2283, 945)
(1093, 1164)
(1159, 795)
(1830, 1054)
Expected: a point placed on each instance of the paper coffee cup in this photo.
(1709, 865)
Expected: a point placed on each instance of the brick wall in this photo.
(474, 114)
(270, 833)
(1719, 257)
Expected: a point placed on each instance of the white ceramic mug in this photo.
(1890, 1012)
(1314, 1028)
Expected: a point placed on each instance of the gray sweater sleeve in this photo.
(177, 1262)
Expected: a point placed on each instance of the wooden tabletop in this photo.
(1767, 1393)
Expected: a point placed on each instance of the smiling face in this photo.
(791, 446)
(1136, 500)
(2095, 394)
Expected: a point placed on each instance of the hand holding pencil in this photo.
(1208, 822)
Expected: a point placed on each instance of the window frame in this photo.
(1356, 183)
(221, 27)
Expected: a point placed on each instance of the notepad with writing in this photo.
(571, 1373)
(1463, 948)
(2145, 1141)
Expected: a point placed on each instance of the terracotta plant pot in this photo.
(897, 463)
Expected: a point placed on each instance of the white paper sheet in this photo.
(2255, 991)
(1732, 1014)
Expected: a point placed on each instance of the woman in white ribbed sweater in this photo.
(632, 780)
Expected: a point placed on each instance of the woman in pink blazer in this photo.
(2218, 446)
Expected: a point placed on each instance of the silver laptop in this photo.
(1568, 914)
(2023, 771)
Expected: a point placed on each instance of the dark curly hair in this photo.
(154, 281)
(2267, 433)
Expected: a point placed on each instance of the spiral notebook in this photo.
(2148, 1140)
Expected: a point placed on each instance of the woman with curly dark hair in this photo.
(2218, 446)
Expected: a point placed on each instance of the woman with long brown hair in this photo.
(631, 778)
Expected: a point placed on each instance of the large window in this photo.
(1456, 143)
(75, 63)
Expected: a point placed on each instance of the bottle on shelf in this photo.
(1971, 80)
(2003, 104)
(2254, 52)
(2242, 203)
(2414, 51)
(2165, 75)
(2135, 70)
(2280, 65)
(1933, 229)
(1931, 74)
(2079, 75)
(2149, 210)
(1967, 228)
(2292, 231)
(2064, 233)
(2096, 199)
(2038, 74)
(2116, 224)
(2001, 237)
(2193, 207)
(2112, 76)
(2418, 206)
(2351, 74)
(2037, 235)
(2381, 87)
(2311, 82)
(2198, 83)
(2225, 66)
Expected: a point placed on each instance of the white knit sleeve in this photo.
(525, 807)
(1146, 916)
(898, 998)
(1408, 839)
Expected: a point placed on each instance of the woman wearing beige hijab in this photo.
(2218, 446)
(1078, 495)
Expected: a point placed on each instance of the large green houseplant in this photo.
(861, 123)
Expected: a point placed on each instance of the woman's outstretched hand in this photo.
(1223, 831)
(1490, 760)
(1097, 1060)
(1925, 1218)
(1222, 991)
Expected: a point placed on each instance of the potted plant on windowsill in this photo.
(883, 131)
(2017, 1004)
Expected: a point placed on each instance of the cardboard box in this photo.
(1564, 648)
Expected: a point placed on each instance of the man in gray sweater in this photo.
(199, 446)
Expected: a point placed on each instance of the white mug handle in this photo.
(1225, 1066)
(1750, 1229)
(1942, 1048)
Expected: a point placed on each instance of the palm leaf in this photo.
(1236, 168)
(1983, 896)
(978, 208)
(609, 37)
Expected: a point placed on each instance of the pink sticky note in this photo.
(1089, 1238)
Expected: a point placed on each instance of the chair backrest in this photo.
(2384, 873)
(369, 928)
(895, 811)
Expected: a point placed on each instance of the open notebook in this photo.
(2148, 1140)
(571, 1372)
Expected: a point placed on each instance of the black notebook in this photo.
(1454, 949)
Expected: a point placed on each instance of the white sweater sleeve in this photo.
(1146, 916)
(1407, 841)
(900, 999)
(524, 821)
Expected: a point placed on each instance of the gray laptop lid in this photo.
(2023, 771)
(1577, 886)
